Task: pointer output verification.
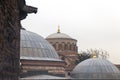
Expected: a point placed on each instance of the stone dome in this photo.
(58, 35)
(35, 47)
(95, 69)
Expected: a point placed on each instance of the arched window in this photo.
(60, 47)
(63, 46)
(57, 46)
(72, 48)
(68, 46)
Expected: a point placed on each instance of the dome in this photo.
(35, 47)
(58, 35)
(95, 69)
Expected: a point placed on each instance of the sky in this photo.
(93, 23)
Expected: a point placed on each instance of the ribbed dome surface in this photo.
(35, 47)
(58, 35)
(95, 69)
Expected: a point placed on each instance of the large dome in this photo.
(35, 47)
(95, 69)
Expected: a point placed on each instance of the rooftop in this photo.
(35, 47)
(96, 68)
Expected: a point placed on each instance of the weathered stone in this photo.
(9, 40)
(11, 12)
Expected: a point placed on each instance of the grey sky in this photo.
(94, 23)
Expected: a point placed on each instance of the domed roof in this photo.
(95, 69)
(59, 35)
(35, 47)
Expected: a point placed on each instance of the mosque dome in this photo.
(58, 35)
(35, 47)
(95, 69)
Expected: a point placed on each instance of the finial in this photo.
(94, 55)
(58, 29)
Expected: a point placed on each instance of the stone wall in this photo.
(9, 40)
(51, 67)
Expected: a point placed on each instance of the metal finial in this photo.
(94, 55)
(58, 29)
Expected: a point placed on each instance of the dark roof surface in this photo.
(95, 69)
(35, 47)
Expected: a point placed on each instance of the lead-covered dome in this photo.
(95, 69)
(58, 35)
(35, 47)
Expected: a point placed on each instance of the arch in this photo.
(72, 48)
(59, 47)
(68, 46)
(63, 46)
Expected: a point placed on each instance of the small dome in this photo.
(95, 69)
(58, 35)
(35, 47)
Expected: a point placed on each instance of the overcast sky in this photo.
(94, 23)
